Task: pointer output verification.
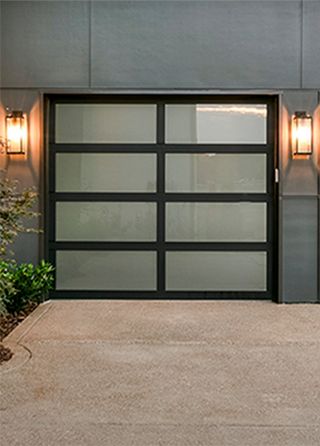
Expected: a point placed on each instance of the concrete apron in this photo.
(163, 373)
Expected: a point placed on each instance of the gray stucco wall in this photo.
(228, 45)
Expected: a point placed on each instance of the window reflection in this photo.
(106, 221)
(216, 271)
(216, 123)
(106, 123)
(216, 172)
(216, 222)
(106, 172)
(106, 270)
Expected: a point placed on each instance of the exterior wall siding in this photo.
(235, 45)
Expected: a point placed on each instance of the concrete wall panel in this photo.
(299, 223)
(311, 44)
(300, 254)
(45, 44)
(181, 44)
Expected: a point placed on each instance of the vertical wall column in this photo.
(25, 168)
(299, 207)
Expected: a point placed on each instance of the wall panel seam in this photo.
(301, 42)
(90, 43)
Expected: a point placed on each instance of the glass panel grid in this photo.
(230, 173)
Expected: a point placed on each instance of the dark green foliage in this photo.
(24, 284)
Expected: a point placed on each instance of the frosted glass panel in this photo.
(106, 270)
(216, 123)
(216, 271)
(216, 172)
(216, 222)
(106, 172)
(112, 221)
(105, 123)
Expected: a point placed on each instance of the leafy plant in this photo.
(7, 289)
(3, 310)
(25, 283)
(28, 283)
(15, 207)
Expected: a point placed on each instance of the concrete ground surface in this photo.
(144, 373)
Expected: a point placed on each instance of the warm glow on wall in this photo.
(16, 132)
(301, 134)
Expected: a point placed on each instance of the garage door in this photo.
(162, 197)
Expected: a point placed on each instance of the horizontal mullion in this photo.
(215, 197)
(154, 246)
(108, 98)
(217, 246)
(166, 148)
(154, 197)
(104, 196)
(104, 148)
(183, 295)
(213, 148)
(176, 96)
(103, 246)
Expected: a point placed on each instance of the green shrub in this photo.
(3, 310)
(16, 207)
(7, 289)
(25, 283)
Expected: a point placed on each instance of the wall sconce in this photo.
(15, 140)
(301, 134)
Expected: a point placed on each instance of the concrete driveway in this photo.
(176, 373)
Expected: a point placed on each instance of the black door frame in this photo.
(161, 197)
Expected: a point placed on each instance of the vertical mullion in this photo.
(161, 200)
(52, 213)
(270, 180)
(52, 185)
(52, 259)
(52, 122)
(270, 152)
(271, 120)
(270, 250)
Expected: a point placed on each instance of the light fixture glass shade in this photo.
(16, 132)
(301, 134)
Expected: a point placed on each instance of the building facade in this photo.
(160, 143)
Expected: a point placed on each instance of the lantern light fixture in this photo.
(16, 133)
(302, 138)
